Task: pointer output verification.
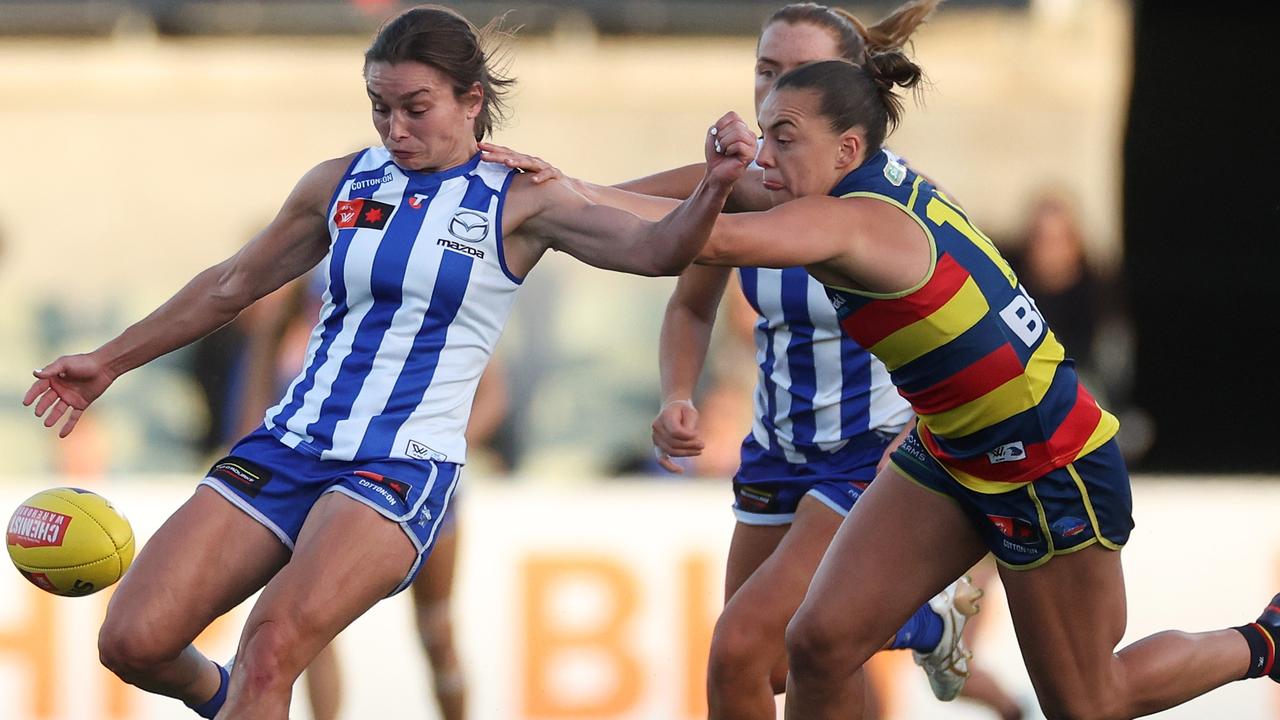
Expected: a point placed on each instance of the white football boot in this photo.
(947, 665)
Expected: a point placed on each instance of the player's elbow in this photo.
(715, 252)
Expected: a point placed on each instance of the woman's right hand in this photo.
(66, 386)
(675, 433)
(730, 147)
(539, 170)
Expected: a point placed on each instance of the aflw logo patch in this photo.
(420, 451)
(33, 527)
(361, 213)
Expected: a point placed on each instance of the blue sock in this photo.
(922, 632)
(210, 707)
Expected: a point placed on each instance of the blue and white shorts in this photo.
(277, 486)
(767, 489)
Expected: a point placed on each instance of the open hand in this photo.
(66, 386)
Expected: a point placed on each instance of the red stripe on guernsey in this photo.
(1060, 449)
(1271, 646)
(878, 320)
(997, 368)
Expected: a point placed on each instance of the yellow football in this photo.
(69, 541)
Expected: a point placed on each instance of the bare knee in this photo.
(132, 648)
(817, 644)
(739, 651)
(269, 657)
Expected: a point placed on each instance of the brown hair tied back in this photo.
(445, 40)
(853, 38)
(893, 32)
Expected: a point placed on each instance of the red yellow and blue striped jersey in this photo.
(998, 400)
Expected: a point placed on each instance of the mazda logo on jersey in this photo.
(469, 226)
(362, 213)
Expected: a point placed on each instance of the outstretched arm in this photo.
(748, 194)
(294, 241)
(554, 215)
(806, 231)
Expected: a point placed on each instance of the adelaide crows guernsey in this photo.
(998, 400)
(417, 294)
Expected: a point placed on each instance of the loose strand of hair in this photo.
(894, 30)
(495, 41)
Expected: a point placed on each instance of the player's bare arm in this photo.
(849, 242)
(294, 242)
(556, 216)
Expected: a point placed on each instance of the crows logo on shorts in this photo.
(244, 475)
(362, 213)
(1069, 527)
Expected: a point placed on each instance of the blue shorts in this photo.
(277, 486)
(1070, 508)
(767, 489)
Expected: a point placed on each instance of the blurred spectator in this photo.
(1084, 308)
(1052, 264)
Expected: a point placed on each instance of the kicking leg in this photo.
(202, 562)
(347, 557)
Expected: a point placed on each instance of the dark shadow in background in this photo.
(339, 17)
(1202, 234)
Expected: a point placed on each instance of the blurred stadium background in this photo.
(142, 141)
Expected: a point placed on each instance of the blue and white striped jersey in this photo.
(417, 295)
(816, 389)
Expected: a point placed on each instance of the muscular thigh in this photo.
(899, 546)
(1069, 615)
(348, 557)
(202, 562)
(773, 592)
(750, 546)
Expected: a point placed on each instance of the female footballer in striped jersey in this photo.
(1011, 454)
(826, 414)
(332, 504)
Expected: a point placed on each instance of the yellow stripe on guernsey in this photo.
(1021, 393)
(1108, 426)
(940, 327)
(941, 213)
